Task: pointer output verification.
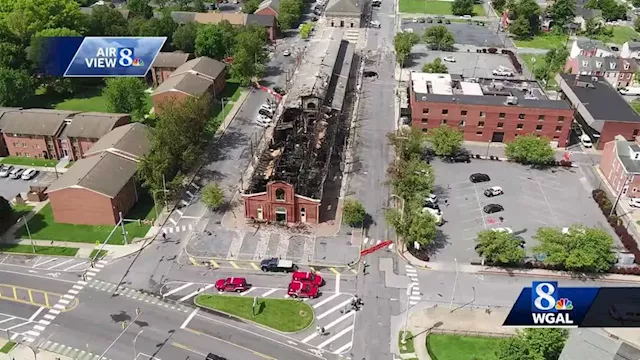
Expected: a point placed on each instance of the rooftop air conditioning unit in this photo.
(424, 98)
(594, 78)
(512, 100)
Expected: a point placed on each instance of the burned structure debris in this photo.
(289, 181)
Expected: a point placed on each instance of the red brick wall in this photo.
(159, 98)
(266, 11)
(33, 146)
(159, 75)
(291, 203)
(3, 147)
(613, 128)
(615, 174)
(220, 83)
(571, 66)
(474, 130)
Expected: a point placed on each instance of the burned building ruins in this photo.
(288, 183)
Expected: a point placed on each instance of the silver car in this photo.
(6, 169)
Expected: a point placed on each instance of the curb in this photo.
(32, 254)
(206, 258)
(253, 322)
(558, 276)
(408, 259)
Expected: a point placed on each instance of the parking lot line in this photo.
(254, 266)
(480, 206)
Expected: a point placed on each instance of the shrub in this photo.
(484, 51)
(492, 50)
(478, 50)
(504, 51)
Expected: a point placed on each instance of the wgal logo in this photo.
(547, 307)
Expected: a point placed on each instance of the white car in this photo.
(266, 107)
(6, 169)
(586, 141)
(286, 53)
(634, 202)
(375, 24)
(29, 174)
(502, 72)
(410, 31)
(435, 213)
(503, 229)
(449, 59)
(567, 230)
(493, 191)
(415, 20)
(432, 198)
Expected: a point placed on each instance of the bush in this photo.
(600, 197)
(626, 271)
(492, 50)
(484, 51)
(478, 50)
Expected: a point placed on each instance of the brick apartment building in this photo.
(489, 110)
(601, 112)
(3, 146)
(55, 134)
(165, 64)
(97, 188)
(620, 165)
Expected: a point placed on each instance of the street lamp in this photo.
(125, 327)
(26, 226)
(135, 353)
(406, 315)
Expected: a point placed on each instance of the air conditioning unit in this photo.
(594, 78)
(512, 100)
(424, 98)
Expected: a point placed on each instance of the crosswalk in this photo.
(177, 229)
(372, 242)
(415, 296)
(137, 295)
(70, 352)
(60, 263)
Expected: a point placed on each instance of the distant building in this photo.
(85, 129)
(618, 72)
(584, 14)
(165, 64)
(591, 48)
(238, 19)
(3, 145)
(89, 10)
(489, 110)
(344, 13)
(630, 50)
(620, 165)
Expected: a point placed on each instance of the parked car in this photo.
(429, 20)
(232, 284)
(265, 112)
(286, 53)
(262, 121)
(439, 19)
(16, 173)
(492, 208)
(432, 198)
(479, 177)
(493, 191)
(213, 356)
(502, 72)
(458, 158)
(308, 277)
(586, 141)
(634, 202)
(298, 289)
(630, 91)
(421, 20)
(277, 265)
(449, 59)
(29, 174)
(408, 30)
(6, 170)
(447, 21)
(415, 20)
(376, 3)
(503, 229)
(437, 214)
(279, 90)
(375, 24)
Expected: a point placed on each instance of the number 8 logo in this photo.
(544, 292)
(125, 57)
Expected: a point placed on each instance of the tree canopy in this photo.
(563, 12)
(126, 95)
(445, 140)
(16, 87)
(289, 11)
(249, 54)
(27, 17)
(499, 247)
(438, 37)
(530, 149)
(250, 6)
(106, 21)
(353, 213)
(554, 61)
(414, 226)
(408, 143)
(526, 14)
(215, 41)
(611, 9)
(212, 195)
(140, 8)
(435, 67)
(533, 344)
(403, 42)
(462, 7)
(184, 38)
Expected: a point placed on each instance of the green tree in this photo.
(126, 95)
(106, 21)
(165, 26)
(563, 12)
(184, 38)
(462, 7)
(611, 10)
(6, 215)
(12, 56)
(438, 37)
(212, 196)
(289, 11)
(636, 24)
(530, 149)
(215, 41)
(140, 8)
(27, 17)
(533, 344)
(39, 52)
(554, 62)
(408, 143)
(635, 3)
(498, 5)
(445, 140)
(413, 226)
(305, 29)
(250, 6)
(435, 67)
(581, 249)
(520, 28)
(594, 28)
(16, 87)
(412, 180)
(249, 55)
(500, 247)
(403, 42)
(353, 213)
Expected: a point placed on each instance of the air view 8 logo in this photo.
(547, 307)
(114, 56)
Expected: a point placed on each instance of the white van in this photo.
(586, 141)
(630, 91)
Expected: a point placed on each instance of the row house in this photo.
(268, 22)
(618, 72)
(630, 50)
(55, 134)
(590, 48)
(165, 64)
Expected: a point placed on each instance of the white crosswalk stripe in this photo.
(177, 229)
(415, 296)
(65, 350)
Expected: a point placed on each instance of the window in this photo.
(558, 128)
(280, 194)
(540, 117)
(445, 111)
(482, 114)
(501, 116)
(424, 121)
(444, 122)
(479, 133)
(538, 127)
(425, 130)
(521, 116)
(635, 132)
(500, 125)
(463, 112)
(461, 123)
(24, 144)
(556, 138)
(560, 119)
(425, 111)
(519, 126)
(480, 124)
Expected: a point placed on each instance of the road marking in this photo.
(335, 337)
(184, 202)
(196, 293)
(30, 295)
(54, 311)
(337, 283)
(60, 264)
(74, 292)
(269, 292)
(173, 221)
(315, 306)
(184, 228)
(248, 291)
(35, 314)
(58, 307)
(235, 266)
(214, 264)
(67, 296)
(39, 328)
(326, 313)
(189, 192)
(33, 333)
(91, 273)
(44, 322)
(183, 347)
(334, 271)
(328, 326)
(177, 289)
(77, 287)
(180, 212)
(414, 297)
(189, 318)
(64, 301)
(344, 348)
(193, 261)
(74, 266)
(49, 316)
(254, 266)
(42, 263)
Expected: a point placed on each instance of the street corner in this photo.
(54, 264)
(35, 297)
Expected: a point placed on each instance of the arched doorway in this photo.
(281, 214)
(303, 215)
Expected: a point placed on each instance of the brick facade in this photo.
(612, 128)
(159, 75)
(33, 146)
(615, 173)
(280, 203)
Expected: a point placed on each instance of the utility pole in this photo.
(26, 226)
(615, 203)
(124, 232)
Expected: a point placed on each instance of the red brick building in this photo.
(97, 188)
(489, 110)
(3, 146)
(601, 111)
(268, 7)
(165, 64)
(85, 129)
(620, 165)
(281, 203)
(194, 78)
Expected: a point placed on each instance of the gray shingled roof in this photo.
(344, 7)
(35, 121)
(273, 4)
(187, 83)
(588, 44)
(180, 17)
(203, 65)
(4, 110)
(131, 140)
(170, 59)
(105, 174)
(261, 20)
(623, 148)
(92, 125)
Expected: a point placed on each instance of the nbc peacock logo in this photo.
(137, 62)
(564, 304)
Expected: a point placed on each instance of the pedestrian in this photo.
(501, 218)
(164, 236)
(322, 331)
(446, 202)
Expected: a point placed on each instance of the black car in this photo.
(421, 20)
(492, 208)
(429, 20)
(279, 90)
(212, 356)
(479, 177)
(447, 21)
(277, 265)
(458, 158)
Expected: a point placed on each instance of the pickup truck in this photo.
(277, 265)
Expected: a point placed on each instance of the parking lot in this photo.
(467, 64)
(9, 188)
(531, 199)
(464, 34)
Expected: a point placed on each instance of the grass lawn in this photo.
(621, 34)
(408, 347)
(539, 61)
(100, 255)
(70, 164)
(280, 314)
(25, 161)
(40, 250)
(85, 100)
(434, 7)
(43, 226)
(544, 41)
(456, 347)
(7, 347)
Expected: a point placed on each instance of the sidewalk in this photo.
(485, 150)
(24, 352)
